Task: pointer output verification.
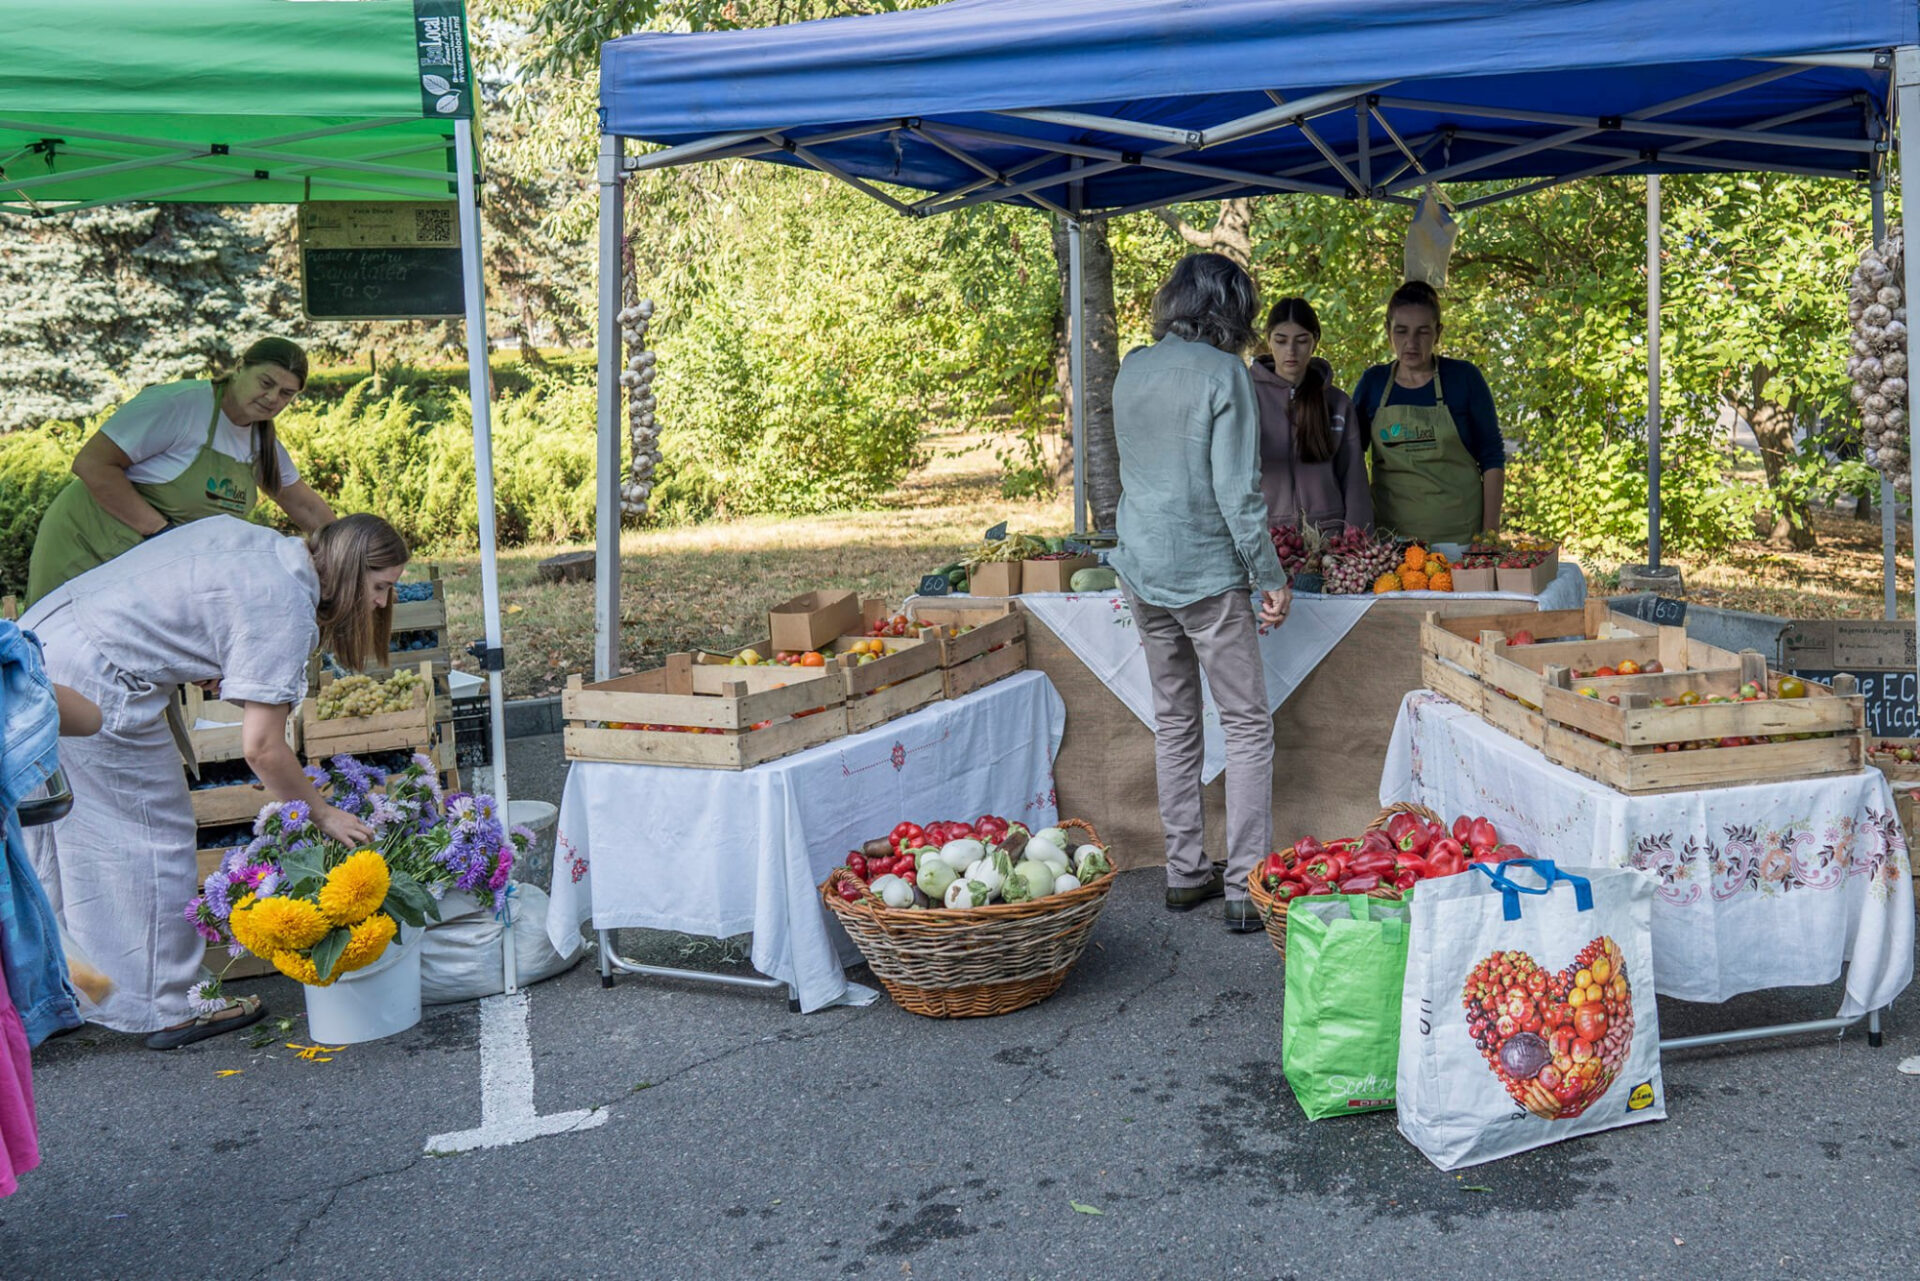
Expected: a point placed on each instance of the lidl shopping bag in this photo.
(1340, 1030)
(1528, 1013)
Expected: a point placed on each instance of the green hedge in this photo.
(34, 467)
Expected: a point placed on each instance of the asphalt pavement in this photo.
(1134, 1125)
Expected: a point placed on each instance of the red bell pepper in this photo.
(1377, 840)
(1314, 884)
(1461, 827)
(1377, 862)
(1399, 825)
(1482, 833)
(1504, 853)
(1444, 848)
(1287, 889)
(1414, 863)
(1308, 847)
(852, 892)
(1360, 883)
(857, 864)
(1404, 878)
(900, 833)
(1326, 867)
(1274, 865)
(1415, 841)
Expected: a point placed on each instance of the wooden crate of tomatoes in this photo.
(1642, 708)
(979, 643)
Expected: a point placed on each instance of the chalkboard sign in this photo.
(391, 261)
(997, 533)
(1892, 708)
(934, 585)
(1662, 610)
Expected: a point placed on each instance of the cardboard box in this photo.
(813, 620)
(1528, 582)
(1053, 575)
(1475, 580)
(998, 579)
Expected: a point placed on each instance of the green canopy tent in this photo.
(249, 102)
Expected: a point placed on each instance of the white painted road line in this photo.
(507, 1114)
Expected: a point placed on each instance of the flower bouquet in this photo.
(319, 910)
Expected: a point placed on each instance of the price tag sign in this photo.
(935, 585)
(998, 532)
(1661, 610)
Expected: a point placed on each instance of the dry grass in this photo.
(711, 585)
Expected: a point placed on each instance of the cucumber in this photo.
(1056, 544)
(1099, 579)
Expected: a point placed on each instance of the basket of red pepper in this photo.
(1405, 845)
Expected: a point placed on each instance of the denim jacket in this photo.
(36, 965)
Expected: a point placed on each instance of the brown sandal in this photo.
(209, 1025)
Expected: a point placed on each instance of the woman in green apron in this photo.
(174, 454)
(1439, 462)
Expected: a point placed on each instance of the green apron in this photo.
(1426, 485)
(77, 533)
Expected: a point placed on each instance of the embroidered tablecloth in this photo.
(1765, 886)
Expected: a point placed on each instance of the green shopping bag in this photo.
(1340, 1030)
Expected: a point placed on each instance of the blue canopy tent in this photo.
(1092, 108)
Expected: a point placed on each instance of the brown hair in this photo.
(1415, 293)
(1312, 422)
(288, 355)
(344, 553)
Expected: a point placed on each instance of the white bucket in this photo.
(380, 1000)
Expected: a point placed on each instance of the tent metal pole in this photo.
(480, 391)
(1889, 501)
(1653, 371)
(606, 541)
(1906, 79)
(1077, 360)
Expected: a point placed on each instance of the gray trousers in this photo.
(1218, 636)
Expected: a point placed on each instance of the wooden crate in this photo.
(423, 615)
(996, 647)
(1613, 729)
(409, 730)
(236, 803)
(213, 727)
(905, 680)
(713, 711)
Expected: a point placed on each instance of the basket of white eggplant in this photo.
(1000, 926)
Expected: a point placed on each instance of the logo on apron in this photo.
(1417, 439)
(222, 491)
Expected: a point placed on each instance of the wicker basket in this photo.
(960, 963)
(1274, 915)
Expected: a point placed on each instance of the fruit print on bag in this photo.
(1555, 1041)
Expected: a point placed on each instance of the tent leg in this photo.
(1077, 365)
(606, 566)
(1906, 79)
(480, 390)
(1653, 371)
(1889, 501)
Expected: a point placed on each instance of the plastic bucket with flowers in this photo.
(344, 922)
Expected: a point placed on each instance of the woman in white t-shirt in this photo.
(174, 454)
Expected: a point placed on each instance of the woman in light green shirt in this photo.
(1194, 548)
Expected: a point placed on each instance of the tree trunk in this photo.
(1102, 461)
(1231, 234)
(1788, 523)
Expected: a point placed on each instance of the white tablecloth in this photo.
(1764, 886)
(1098, 628)
(722, 852)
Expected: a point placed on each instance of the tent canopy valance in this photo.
(229, 101)
(1154, 101)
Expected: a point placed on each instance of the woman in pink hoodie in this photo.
(1312, 452)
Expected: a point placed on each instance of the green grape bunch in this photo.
(364, 696)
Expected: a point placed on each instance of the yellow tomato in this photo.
(1602, 970)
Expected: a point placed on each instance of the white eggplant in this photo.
(1030, 880)
(898, 894)
(1064, 882)
(935, 876)
(960, 855)
(1050, 836)
(983, 871)
(967, 894)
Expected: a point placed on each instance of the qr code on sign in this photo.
(433, 226)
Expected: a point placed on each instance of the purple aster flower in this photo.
(316, 775)
(486, 807)
(382, 813)
(235, 950)
(268, 884)
(522, 835)
(501, 870)
(204, 997)
(460, 809)
(423, 762)
(214, 896)
(352, 772)
(295, 817)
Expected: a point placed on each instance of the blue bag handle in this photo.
(1510, 893)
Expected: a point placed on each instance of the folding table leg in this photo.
(606, 958)
(1873, 1028)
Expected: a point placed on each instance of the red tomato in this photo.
(1590, 1022)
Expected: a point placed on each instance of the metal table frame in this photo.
(611, 961)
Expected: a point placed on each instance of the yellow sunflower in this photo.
(299, 968)
(368, 941)
(286, 924)
(355, 889)
(240, 925)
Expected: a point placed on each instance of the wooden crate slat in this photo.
(976, 673)
(220, 806)
(911, 658)
(993, 626)
(868, 710)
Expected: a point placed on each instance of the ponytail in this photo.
(1312, 420)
